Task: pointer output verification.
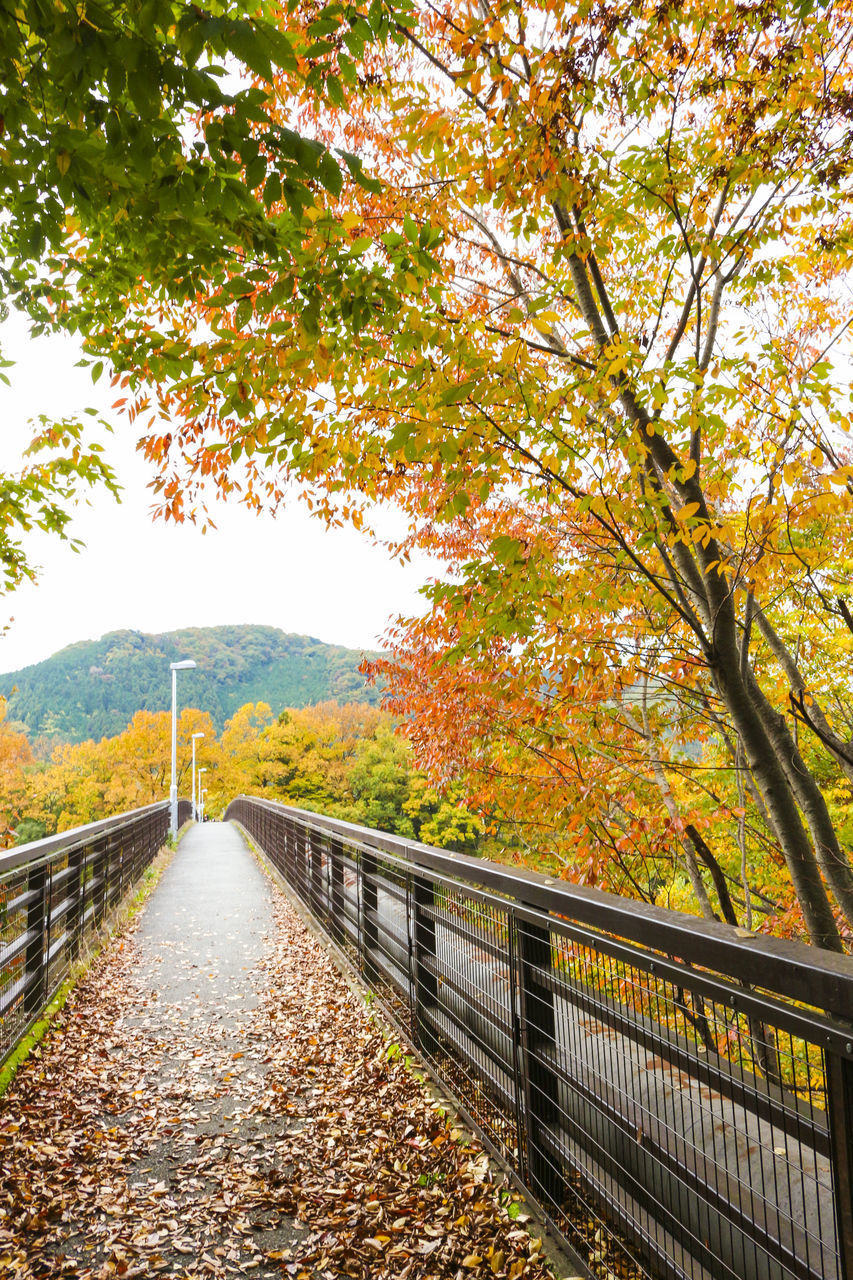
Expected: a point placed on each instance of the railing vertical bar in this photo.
(315, 873)
(359, 910)
(336, 891)
(538, 1037)
(424, 963)
(517, 1072)
(369, 923)
(410, 958)
(35, 966)
(77, 893)
(839, 1081)
(101, 872)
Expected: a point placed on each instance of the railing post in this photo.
(424, 977)
(538, 1035)
(273, 836)
(296, 839)
(305, 861)
(134, 861)
(288, 845)
(270, 834)
(337, 904)
(119, 875)
(36, 955)
(100, 870)
(149, 835)
(839, 1085)
(145, 838)
(369, 921)
(77, 894)
(315, 874)
(515, 1021)
(113, 867)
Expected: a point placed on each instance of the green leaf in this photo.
(329, 173)
(456, 394)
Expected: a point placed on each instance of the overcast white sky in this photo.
(289, 572)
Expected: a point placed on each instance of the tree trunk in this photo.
(772, 782)
(840, 749)
(830, 856)
(712, 593)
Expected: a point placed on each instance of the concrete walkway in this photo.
(205, 930)
(217, 1102)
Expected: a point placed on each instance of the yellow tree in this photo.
(91, 780)
(15, 757)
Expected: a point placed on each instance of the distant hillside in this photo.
(92, 689)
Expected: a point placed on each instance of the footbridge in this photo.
(674, 1095)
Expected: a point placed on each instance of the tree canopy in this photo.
(591, 332)
(139, 147)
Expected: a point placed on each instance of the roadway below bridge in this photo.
(216, 1100)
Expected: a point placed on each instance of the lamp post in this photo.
(175, 667)
(195, 806)
(200, 793)
(203, 794)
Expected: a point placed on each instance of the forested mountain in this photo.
(92, 689)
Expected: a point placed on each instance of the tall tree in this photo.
(616, 240)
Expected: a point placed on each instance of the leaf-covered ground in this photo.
(186, 1126)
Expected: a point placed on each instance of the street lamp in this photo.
(203, 794)
(175, 667)
(195, 806)
(199, 791)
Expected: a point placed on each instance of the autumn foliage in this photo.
(345, 761)
(588, 326)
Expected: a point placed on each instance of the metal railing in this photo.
(56, 892)
(678, 1097)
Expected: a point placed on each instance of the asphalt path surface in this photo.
(215, 1100)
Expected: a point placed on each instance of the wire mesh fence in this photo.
(677, 1098)
(56, 892)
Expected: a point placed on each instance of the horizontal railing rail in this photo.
(676, 1094)
(55, 893)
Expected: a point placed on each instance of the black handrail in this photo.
(675, 1090)
(55, 893)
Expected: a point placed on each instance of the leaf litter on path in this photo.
(266, 1132)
